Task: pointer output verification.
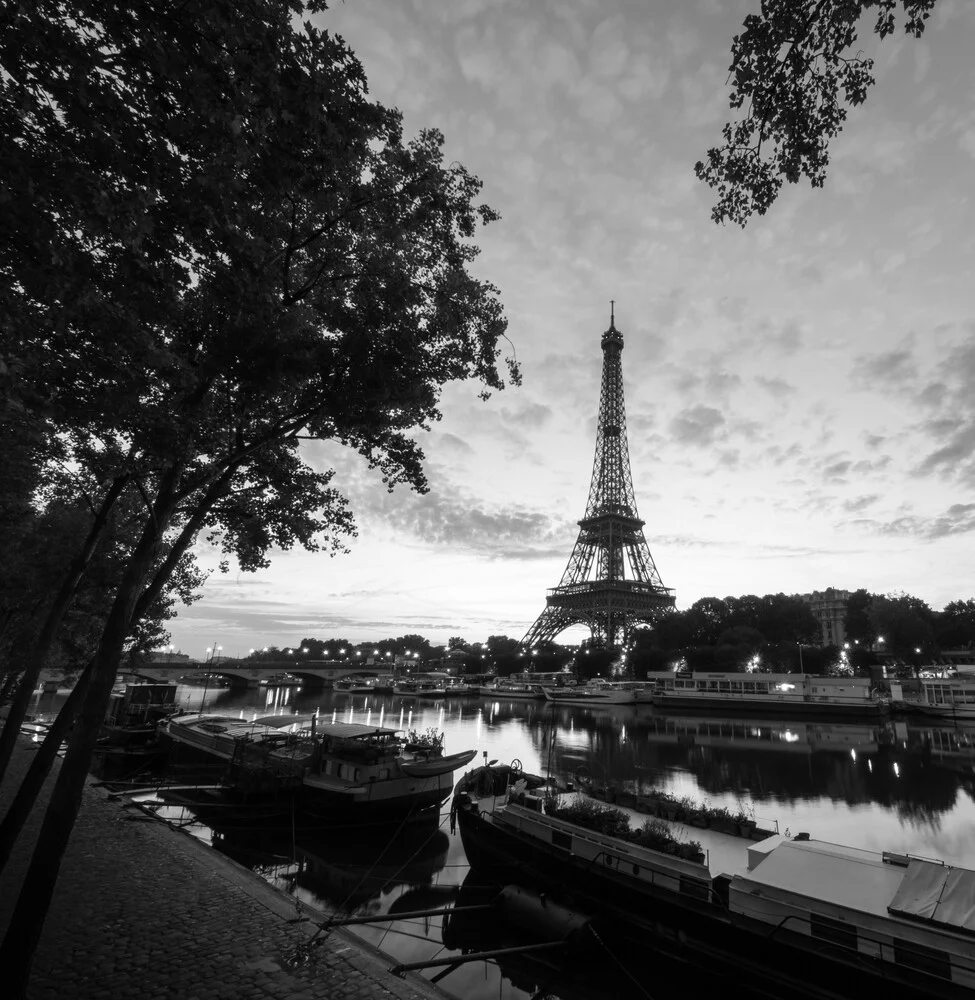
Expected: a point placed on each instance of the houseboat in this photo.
(802, 918)
(802, 694)
(527, 685)
(599, 691)
(134, 713)
(950, 697)
(339, 770)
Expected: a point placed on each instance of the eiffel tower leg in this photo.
(550, 623)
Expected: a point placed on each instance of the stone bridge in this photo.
(250, 674)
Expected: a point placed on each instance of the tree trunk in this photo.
(20, 809)
(33, 903)
(41, 648)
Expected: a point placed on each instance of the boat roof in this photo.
(343, 730)
(843, 876)
(352, 730)
(925, 891)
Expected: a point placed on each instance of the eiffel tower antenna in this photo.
(611, 582)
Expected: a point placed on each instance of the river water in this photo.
(906, 787)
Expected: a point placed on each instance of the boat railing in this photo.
(874, 959)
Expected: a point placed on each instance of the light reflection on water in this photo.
(896, 786)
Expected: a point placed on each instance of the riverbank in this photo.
(143, 911)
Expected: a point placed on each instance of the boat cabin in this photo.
(916, 914)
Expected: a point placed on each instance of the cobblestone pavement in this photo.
(141, 910)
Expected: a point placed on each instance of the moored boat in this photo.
(951, 696)
(803, 694)
(134, 713)
(599, 691)
(339, 770)
(803, 918)
(515, 690)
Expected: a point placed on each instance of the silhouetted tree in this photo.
(793, 69)
(206, 260)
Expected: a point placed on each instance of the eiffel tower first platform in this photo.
(611, 582)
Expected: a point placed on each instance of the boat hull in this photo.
(668, 908)
(769, 705)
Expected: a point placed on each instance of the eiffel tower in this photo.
(611, 582)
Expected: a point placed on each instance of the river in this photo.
(881, 785)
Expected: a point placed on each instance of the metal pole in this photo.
(476, 956)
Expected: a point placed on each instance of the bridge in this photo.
(250, 673)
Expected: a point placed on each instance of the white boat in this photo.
(342, 770)
(952, 697)
(799, 918)
(777, 693)
(514, 690)
(356, 685)
(602, 692)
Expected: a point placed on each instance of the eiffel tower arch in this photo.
(611, 582)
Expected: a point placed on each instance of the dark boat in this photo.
(805, 919)
(134, 714)
(341, 772)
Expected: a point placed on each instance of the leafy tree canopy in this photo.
(795, 69)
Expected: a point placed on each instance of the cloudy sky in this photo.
(800, 395)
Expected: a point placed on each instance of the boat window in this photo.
(749, 687)
(836, 931)
(712, 685)
(922, 958)
(560, 839)
(724, 686)
(693, 887)
(383, 773)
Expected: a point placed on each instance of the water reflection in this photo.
(338, 870)
(904, 786)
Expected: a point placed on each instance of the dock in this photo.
(145, 912)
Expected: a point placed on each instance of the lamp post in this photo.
(799, 644)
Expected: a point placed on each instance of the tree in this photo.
(456, 642)
(215, 248)
(782, 618)
(707, 618)
(737, 646)
(906, 623)
(956, 624)
(794, 71)
(857, 624)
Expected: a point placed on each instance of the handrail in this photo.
(954, 960)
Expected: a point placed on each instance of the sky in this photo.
(800, 395)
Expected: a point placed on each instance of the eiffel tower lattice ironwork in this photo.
(611, 582)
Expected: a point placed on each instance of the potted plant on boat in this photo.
(745, 818)
(430, 742)
(723, 822)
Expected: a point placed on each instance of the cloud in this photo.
(860, 503)
(834, 473)
(890, 368)
(956, 458)
(534, 415)
(449, 518)
(958, 519)
(697, 425)
(787, 341)
(779, 388)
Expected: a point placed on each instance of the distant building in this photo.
(829, 609)
(163, 656)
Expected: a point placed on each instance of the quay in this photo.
(143, 911)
